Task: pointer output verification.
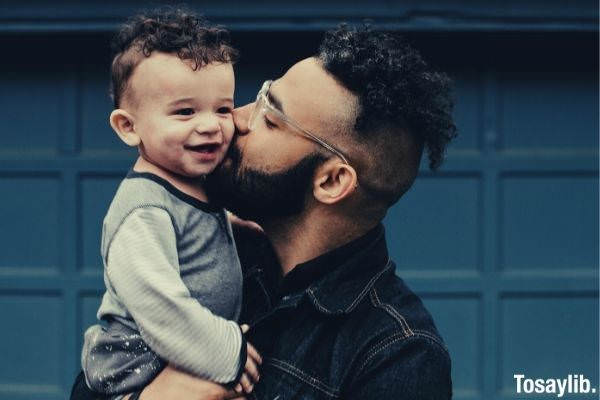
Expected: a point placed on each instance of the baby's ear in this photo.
(123, 124)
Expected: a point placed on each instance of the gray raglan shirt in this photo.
(171, 274)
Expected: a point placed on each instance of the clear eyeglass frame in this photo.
(264, 106)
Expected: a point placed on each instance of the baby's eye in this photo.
(184, 111)
(224, 110)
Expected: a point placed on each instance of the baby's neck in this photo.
(190, 186)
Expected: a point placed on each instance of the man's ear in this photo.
(334, 182)
(123, 124)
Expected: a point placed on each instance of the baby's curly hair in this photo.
(394, 85)
(169, 30)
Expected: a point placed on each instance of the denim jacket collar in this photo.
(352, 271)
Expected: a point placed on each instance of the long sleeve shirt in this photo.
(171, 274)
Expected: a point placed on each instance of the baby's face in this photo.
(182, 116)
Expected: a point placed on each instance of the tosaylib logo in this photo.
(572, 384)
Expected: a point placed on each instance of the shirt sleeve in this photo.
(143, 268)
(414, 368)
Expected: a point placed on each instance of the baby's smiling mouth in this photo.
(204, 148)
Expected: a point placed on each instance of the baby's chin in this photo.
(201, 171)
(194, 172)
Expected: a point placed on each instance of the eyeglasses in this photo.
(264, 107)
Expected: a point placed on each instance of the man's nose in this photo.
(241, 117)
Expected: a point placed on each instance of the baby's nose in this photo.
(208, 125)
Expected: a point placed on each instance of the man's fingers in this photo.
(237, 221)
(231, 395)
(254, 354)
(173, 384)
(246, 383)
(252, 370)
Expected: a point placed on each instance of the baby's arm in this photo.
(143, 268)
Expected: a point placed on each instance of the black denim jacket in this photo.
(344, 327)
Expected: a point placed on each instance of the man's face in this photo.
(269, 169)
(182, 116)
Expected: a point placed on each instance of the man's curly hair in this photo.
(167, 30)
(394, 85)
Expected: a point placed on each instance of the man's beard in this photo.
(259, 196)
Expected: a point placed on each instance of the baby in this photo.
(173, 279)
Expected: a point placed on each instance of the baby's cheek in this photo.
(173, 140)
(172, 146)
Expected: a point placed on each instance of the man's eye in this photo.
(269, 123)
(184, 111)
(224, 110)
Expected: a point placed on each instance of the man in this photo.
(319, 158)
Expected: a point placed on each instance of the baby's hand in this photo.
(251, 374)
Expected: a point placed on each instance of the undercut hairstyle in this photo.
(167, 30)
(403, 105)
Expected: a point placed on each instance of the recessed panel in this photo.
(458, 321)
(96, 194)
(30, 341)
(549, 223)
(96, 106)
(88, 308)
(549, 110)
(32, 100)
(468, 110)
(548, 337)
(30, 222)
(436, 225)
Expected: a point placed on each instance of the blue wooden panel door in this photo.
(502, 243)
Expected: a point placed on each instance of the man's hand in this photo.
(251, 374)
(243, 223)
(172, 384)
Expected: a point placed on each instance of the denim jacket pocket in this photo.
(281, 380)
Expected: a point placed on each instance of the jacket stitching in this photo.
(393, 339)
(378, 347)
(314, 382)
(432, 338)
(265, 293)
(368, 286)
(316, 302)
(392, 311)
(358, 298)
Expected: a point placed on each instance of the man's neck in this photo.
(300, 239)
(189, 186)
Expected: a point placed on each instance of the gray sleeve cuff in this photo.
(243, 357)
